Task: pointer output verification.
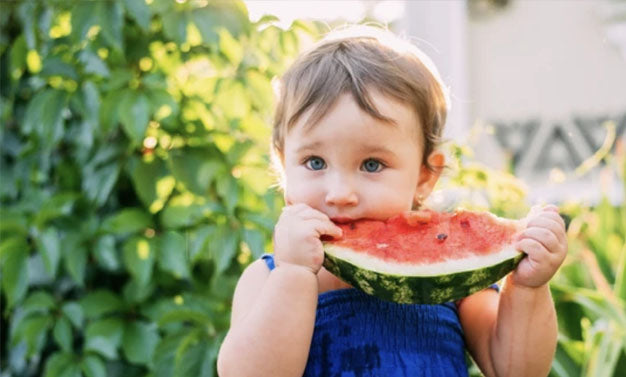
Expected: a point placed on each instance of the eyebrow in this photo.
(362, 149)
(309, 146)
(377, 149)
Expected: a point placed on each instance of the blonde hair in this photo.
(357, 60)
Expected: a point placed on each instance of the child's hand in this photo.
(297, 236)
(545, 243)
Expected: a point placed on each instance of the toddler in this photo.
(356, 133)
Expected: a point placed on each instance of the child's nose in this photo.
(341, 193)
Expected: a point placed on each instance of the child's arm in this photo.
(273, 313)
(515, 333)
(272, 322)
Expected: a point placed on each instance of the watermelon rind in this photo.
(420, 287)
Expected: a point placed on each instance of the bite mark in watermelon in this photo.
(428, 258)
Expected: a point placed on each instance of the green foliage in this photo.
(590, 290)
(134, 180)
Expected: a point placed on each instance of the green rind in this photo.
(419, 289)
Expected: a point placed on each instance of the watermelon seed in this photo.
(352, 226)
(442, 236)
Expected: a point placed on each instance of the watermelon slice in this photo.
(426, 257)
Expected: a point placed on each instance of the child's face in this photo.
(351, 165)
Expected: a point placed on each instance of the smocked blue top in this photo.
(358, 335)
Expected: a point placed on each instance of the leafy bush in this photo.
(134, 180)
(590, 289)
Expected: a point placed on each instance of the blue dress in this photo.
(358, 335)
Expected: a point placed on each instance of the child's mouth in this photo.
(341, 220)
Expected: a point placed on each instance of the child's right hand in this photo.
(297, 236)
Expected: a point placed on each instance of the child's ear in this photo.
(428, 178)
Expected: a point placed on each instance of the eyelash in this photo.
(307, 161)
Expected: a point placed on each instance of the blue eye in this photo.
(315, 163)
(372, 166)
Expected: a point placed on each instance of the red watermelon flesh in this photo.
(430, 237)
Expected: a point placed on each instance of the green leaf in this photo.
(620, 276)
(97, 184)
(260, 87)
(110, 17)
(59, 364)
(174, 254)
(233, 100)
(152, 181)
(196, 359)
(75, 257)
(164, 107)
(49, 248)
(33, 330)
(99, 303)
(105, 253)
(83, 18)
(27, 14)
(38, 302)
(210, 19)
(14, 254)
(139, 11)
(17, 57)
(55, 66)
(230, 47)
(104, 337)
(44, 116)
(73, 312)
(93, 366)
(136, 292)
(93, 64)
(134, 116)
(164, 354)
(185, 315)
(175, 26)
(195, 168)
(127, 221)
(140, 341)
(58, 205)
(228, 190)
(139, 256)
(62, 333)
(255, 241)
(224, 247)
(109, 112)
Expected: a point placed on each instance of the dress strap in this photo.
(269, 260)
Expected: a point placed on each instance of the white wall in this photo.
(547, 63)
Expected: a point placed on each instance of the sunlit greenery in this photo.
(134, 180)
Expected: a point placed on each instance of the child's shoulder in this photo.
(256, 271)
(248, 287)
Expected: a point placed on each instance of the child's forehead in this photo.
(345, 115)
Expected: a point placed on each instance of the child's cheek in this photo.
(302, 192)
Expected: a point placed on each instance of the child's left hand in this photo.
(545, 242)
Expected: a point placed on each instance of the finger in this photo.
(534, 249)
(326, 228)
(415, 217)
(556, 216)
(549, 223)
(544, 236)
(312, 213)
(551, 208)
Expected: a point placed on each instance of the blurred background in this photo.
(134, 171)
